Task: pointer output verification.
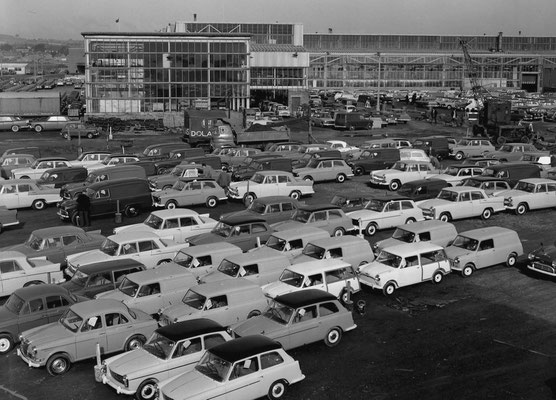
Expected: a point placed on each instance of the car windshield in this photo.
(451, 171)
(257, 207)
(448, 195)
(35, 163)
(154, 221)
(109, 247)
(194, 300)
(177, 171)
(229, 268)
(223, 229)
(214, 367)
(389, 259)
(506, 149)
(466, 243)
(80, 278)
(301, 216)
(34, 242)
(292, 278)
(159, 346)
(128, 287)
(71, 320)
(179, 185)
(524, 186)
(276, 243)
(257, 178)
(184, 259)
(14, 303)
(400, 166)
(403, 235)
(279, 312)
(314, 251)
(313, 163)
(375, 205)
(91, 178)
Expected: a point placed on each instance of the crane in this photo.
(479, 91)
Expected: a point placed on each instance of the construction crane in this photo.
(479, 91)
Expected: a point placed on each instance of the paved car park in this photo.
(487, 336)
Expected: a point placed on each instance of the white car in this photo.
(146, 247)
(113, 160)
(176, 224)
(455, 174)
(89, 158)
(21, 193)
(35, 170)
(343, 147)
(270, 183)
(530, 194)
(402, 172)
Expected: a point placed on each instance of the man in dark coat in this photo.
(83, 209)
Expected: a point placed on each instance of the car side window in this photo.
(432, 257)
(334, 214)
(170, 224)
(305, 314)
(252, 269)
(407, 205)
(338, 163)
(283, 179)
(540, 188)
(258, 228)
(486, 244)
(9, 189)
(102, 193)
(290, 207)
(35, 305)
(9, 266)
(213, 340)
(114, 319)
(466, 196)
(244, 368)
(394, 206)
(93, 323)
(70, 239)
(203, 261)
(149, 290)
(23, 188)
(425, 237)
(53, 242)
(274, 208)
(147, 245)
(56, 302)
(129, 248)
(187, 221)
(551, 187)
(476, 196)
(209, 185)
(99, 279)
(120, 275)
(411, 261)
(335, 253)
(328, 309)
(186, 347)
(216, 302)
(296, 244)
(270, 360)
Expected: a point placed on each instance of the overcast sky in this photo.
(66, 19)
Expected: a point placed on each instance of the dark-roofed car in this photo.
(12, 161)
(79, 130)
(489, 184)
(272, 208)
(325, 216)
(245, 369)
(58, 177)
(30, 307)
(299, 318)
(422, 189)
(171, 350)
(110, 323)
(190, 191)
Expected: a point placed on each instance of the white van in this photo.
(205, 258)
(351, 249)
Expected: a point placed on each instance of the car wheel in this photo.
(166, 187)
(38, 128)
(131, 211)
(296, 195)
(90, 135)
(521, 209)
(211, 202)
(369, 127)
(308, 178)
(249, 198)
(39, 205)
(459, 156)
(65, 135)
(394, 185)
(359, 171)
(345, 297)
(135, 342)
(171, 205)
(351, 128)
(333, 337)
(437, 277)
(486, 214)
(25, 177)
(445, 217)
(58, 364)
(338, 232)
(253, 313)
(467, 271)
(512, 260)
(6, 343)
(389, 289)
(146, 390)
(15, 128)
(162, 171)
(341, 178)
(277, 390)
(371, 229)
(410, 220)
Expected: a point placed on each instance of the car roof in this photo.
(386, 196)
(9, 254)
(303, 298)
(419, 225)
(63, 169)
(273, 172)
(224, 287)
(176, 212)
(487, 231)
(301, 231)
(99, 305)
(133, 235)
(274, 199)
(331, 241)
(242, 219)
(432, 181)
(318, 207)
(191, 328)
(311, 267)
(33, 290)
(109, 265)
(484, 178)
(537, 180)
(244, 347)
(113, 182)
(52, 159)
(209, 248)
(409, 248)
(330, 158)
(56, 231)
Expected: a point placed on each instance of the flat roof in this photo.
(169, 34)
(303, 298)
(244, 347)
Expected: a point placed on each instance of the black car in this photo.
(373, 159)
(422, 189)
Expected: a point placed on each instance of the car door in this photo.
(56, 305)
(464, 207)
(245, 381)
(304, 328)
(9, 196)
(102, 202)
(430, 263)
(551, 194)
(150, 253)
(410, 271)
(217, 308)
(541, 198)
(185, 354)
(269, 186)
(487, 255)
(25, 197)
(33, 314)
(148, 298)
(193, 194)
(92, 332)
(119, 328)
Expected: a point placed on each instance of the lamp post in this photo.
(378, 83)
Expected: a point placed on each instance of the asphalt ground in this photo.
(490, 336)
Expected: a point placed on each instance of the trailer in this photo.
(30, 104)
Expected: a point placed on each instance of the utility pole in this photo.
(378, 84)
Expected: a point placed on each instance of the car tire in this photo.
(410, 221)
(512, 260)
(486, 214)
(146, 390)
(359, 171)
(171, 205)
(333, 337)
(38, 128)
(58, 364)
(521, 209)
(162, 171)
(351, 128)
(277, 390)
(341, 178)
(6, 343)
(253, 313)
(25, 177)
(459, 156)
(371, 229)
(308, 178)
(394, 185)
(166, 187)
(445, 217)
(249, 198)
(39, 205)
(131, 211)
(389, 289)
(135, 342)
(90, 136)
(369, 126)
(437, 277)
(338, 232)
(15, 128)
(296, 195)
(344, 298)
(467, 270)
(211, 202)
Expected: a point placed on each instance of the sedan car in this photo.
(530, 194)
(89, 157)
(175, 224)
(35, 170)
(10, 162)
(57, 242)
(325, 169)
(79, 130)
(471, 148)
(171, 350)
(188, 192)
(489, 184)
(325, 216)
(13, 124)
(23, 193)
(272, 208)
(51, 123)
(110, 323)
(290, 319)
(244, 369)
(30, 307)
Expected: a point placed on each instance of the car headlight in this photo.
(32, 351)
(456, 260)
(554, 264)
(125, 380)
(531, 256)
(20, 338)
(377, 278)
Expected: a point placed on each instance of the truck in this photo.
(30, 104)
(495, 122)
(210, 129)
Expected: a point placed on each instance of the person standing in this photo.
(83, 210)
(434, 115)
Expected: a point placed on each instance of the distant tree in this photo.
(40, 47)
(6, 47)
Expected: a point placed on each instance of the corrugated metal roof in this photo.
(277, 48)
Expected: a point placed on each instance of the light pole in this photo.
(378, 84)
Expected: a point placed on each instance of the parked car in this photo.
(35, 170)
(291, 242)
(242, 231)
(7, 218)
(349, 203)
(405, 264)
(166, 181)
(79, 130)
(471, 147)
(188, 192)
(489, 184)
(32, 150)
(272, 208)
(236, 156)
(30, 307)
(422, 189)
(204, 258)
(351, 121)
(461, 202)
(13, 161)
(351, 249)
(57, 242)
(529, 194)
(325, 169)
(374, 159)
(385, 211)
(58, 177)
(455, 174)
(110, 323)
(513, 151)
(113, 160)
(262, 163)
(402, 172)
(513, 172)
(482, 248)
(343, 147)
(51, 123)
(325, 216)
(13, 123)
(23, 193)
(543, 260)
(231, 368)
(299, 318)
(322, 119)
(436, 146)
(170, 351)
(175, 224)
(89, 157)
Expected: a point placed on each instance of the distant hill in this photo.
(10, 39)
